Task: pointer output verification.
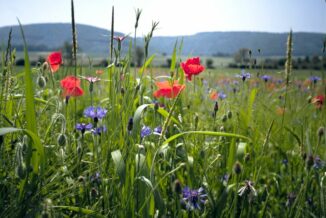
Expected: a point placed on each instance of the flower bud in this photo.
(41, 82)
(62, 140)
(321, 131)
(229, 114)
(224, 118)
(94, 192)
(130, 124)
(177, 186)
(156, 106)
(310, 161)
(21, 170)
(237, 168)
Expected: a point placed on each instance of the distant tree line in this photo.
(243, 58)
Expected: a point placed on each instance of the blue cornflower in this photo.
(83, 127)
(221, 95)
(96, 178)
(266, 78)
(248, 189)
(157, 130)
(314, 79)
(244, 75)
(95, 112)
(193, 198)
(99, 130)
(318, 163)
(145, 131)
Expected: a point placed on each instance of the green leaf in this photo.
(172, 138)
(119, 163)
(174, 57)
(29, 92)
(30, 113)
(148, 62)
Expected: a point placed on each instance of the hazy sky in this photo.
(176, 17)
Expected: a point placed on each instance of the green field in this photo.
(180, 141)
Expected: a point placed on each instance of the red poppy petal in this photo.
(54, 67)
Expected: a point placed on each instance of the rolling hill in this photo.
(93, 40)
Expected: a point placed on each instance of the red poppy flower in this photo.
(318, 101)
(54, 60)
(192, 67)
(71, 86)
(168, 90)
(213, 95)
(99, 72)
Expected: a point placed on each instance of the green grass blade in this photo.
(30, 113)
(84, 211)
(29, 92)
(172, 138)
(147, 63)
(119, 164)
(174, 57)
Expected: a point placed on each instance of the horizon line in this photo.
(177, 35)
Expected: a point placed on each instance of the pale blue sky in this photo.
(176, 17)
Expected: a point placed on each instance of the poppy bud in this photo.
(41, 82)
(130, 124)
(21, 170)
(224, 118)
(247, 157)
(62, 140)
(310, 161)
(237, 168)
(321, 131)
(177, 186)
(91, 86)
(81, 179)
(45, 214)
(216, 107)
(196, 120)
(156, 106)
(229, 114)
(79, 149)
(309, 99)
(45, 66)
(141, 149)
(137, 88)
(94, 192)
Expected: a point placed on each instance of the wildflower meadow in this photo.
(186, 141)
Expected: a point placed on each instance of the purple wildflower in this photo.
(99, 130)
(193, 198)
(95, 112)
(145, 131)
(96, 178)
(248, 189)
(266, 78)
(91, 79)
(314, 79)
(157, 130)
(244, 75)
(221, 95)
(318, 163)
(83, 127)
